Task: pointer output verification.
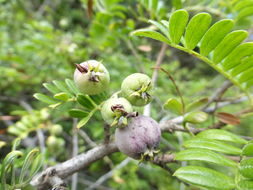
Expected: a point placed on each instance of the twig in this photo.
(159, 60)
(74, 153)
(219, 92)
(106, 133)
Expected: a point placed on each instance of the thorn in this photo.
(81, 68)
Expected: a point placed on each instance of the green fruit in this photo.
(52, 142)
(56, 129)
(136, 88)
(114, 110)
(91, 77)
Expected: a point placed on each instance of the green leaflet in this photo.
(151, 34)
(160, 26)
(222, 135)
(196, 28)
(245, 12)
(246, 64)
(44, 98)
(77, 113)
(177, 24)
(243, 4)
(204, 177)
(214, 35)
(234, 58)
(230, 41)
(174, 106)
(248, 150)
(51, 88)
(214, 145)
(246, 168)
(245, 185)
(204, 155)
(246, 75)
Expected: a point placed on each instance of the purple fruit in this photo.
(139, 138)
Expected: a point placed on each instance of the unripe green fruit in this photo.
(91, 77)
(56, 129)
(109, 114)
(51, 142)
(136, 88)
(139, 138)
(55, 144)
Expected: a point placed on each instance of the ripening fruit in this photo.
(136, 88)
(140, 138)
(91, 77)
(56, 129)
(114, 110)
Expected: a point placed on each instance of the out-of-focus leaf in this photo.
(204, 155)
(71, 85)
(219, 134)
(196, 104)
(62, 96)
(27, 162)
(51, 88)
(174, 106)
(196, 117)
(85, 101)
(77, 113)
(245, 185)
(205, 177)
(228, 118)
(44, 98)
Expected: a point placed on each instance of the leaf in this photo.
(62, 96)
(196, 117)
(222, 135)
(84, 121)
(196, 28)
(71, 85)
(228, 118)
(242, 4)
(150, 34)
(160, 26)
(174, 106)
(230, 42)
(214, 145)
(246, 75)
(177, 24)
(99, 98)
(246, 168)
(241, 51)
(51, 88)
(85, 101)
(245, 185)
(27, 162)
(77, 113)
(61, 86)
(7, 162)
(214, 35)
(44, 98)
(248, 150)
(245, 12)
(243, 66)
(204, 155)
(196, 104)
(204, 177)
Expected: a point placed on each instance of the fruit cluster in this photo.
(136, 135)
